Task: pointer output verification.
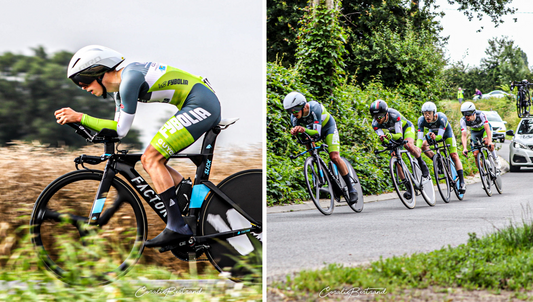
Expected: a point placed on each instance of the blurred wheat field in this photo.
(26, 169)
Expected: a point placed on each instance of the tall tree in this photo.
(505, 61)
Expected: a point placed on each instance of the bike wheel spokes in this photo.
(402, 187)
(79, 253)
(441, 178)
(319, 186)
(484, 173)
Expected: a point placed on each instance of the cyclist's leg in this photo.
(201, 112)
(425, 150)
(409, 136)
(449, 139)
(491, 147)
(333, 142)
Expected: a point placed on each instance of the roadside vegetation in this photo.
(329, 56)
(28, 168)
(498, 264)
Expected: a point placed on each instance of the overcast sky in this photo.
(466, 45)
(223, 41)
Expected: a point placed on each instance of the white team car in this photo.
(521, 147)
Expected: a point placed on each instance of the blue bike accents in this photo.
(98, 206)
(199, 192)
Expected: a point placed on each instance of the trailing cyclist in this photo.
(97, 70)
(438, 129)
(399, 128)
(313, 118)
(480, 129)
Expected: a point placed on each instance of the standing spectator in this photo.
(460, 96)
(478, 93)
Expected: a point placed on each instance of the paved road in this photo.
(309, 240)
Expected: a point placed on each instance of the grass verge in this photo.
(496, 263)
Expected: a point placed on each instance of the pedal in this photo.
(173, 246)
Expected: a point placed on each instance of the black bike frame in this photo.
(314, 152)
(125, 165)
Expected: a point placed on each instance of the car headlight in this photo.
(518, 145)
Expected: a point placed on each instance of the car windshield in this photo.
(493, 116)
(526, 127)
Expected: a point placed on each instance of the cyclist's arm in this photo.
(130, 86)
(442, 126)
(420, 139)
(464, 134)
(489, 133)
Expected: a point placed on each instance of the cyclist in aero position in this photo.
(390, 119)
(480, 129)
(94, 68)
(438, 129)
(312, 118)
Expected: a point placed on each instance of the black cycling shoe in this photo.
(462, 188)
(353, 197)
(167, 237)
(407, 195)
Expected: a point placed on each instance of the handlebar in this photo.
(390, 146)
(104, 136)
(306, 141)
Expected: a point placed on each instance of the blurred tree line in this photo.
(33, 87)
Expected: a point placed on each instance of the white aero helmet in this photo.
(91, 62)
(294, 102)
(429, 106)
(468, 108)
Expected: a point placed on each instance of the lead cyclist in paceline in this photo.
(98, 70)
(313, 118)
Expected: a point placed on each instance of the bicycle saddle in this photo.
(227, 121)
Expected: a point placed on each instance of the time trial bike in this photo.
(488, 171)
(323, 181)
(406, 175)
(444, 170)
(102, 211)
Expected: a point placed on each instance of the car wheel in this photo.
(513, 168)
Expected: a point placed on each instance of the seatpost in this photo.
(109, 148)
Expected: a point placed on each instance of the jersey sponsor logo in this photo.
(184, 119)
(398, 119)
(173, 82)
(162, 68)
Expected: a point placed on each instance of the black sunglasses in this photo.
(468, 113)
(82, 81)
(379, 116)
(295, 109)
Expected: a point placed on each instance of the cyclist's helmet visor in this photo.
(379, 115)
(295, 109)
(468, 113)
(87, 76)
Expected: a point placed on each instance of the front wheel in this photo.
(319, 186)
(240, 256)
(397, 170)
(484, 173)
(78, 253)
(441, 178)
